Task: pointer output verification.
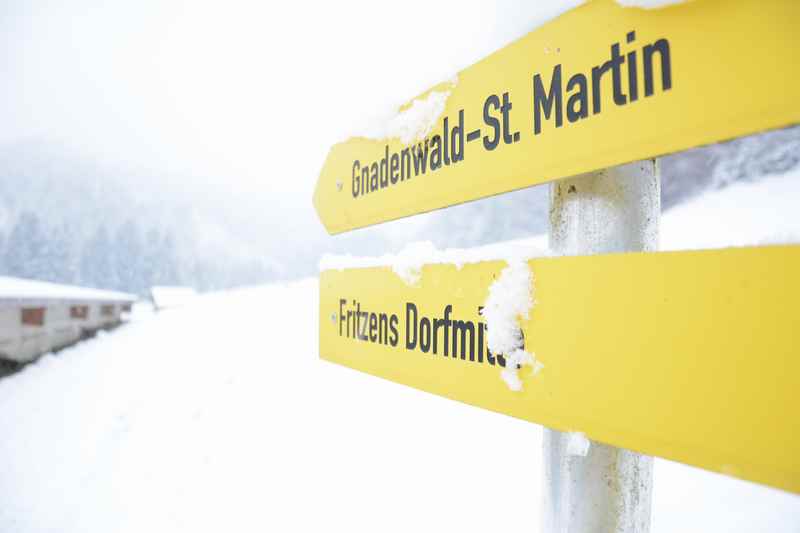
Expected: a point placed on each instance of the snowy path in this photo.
(221, 417)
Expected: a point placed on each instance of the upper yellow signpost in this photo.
(599, 86)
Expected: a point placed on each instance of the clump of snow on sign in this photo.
(408, 263)
(510, 299)
(648, 4)
(514, 361)
(417, 121)
(414, 121)
(578, 444)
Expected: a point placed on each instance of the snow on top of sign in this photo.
(510, 299)
(408, 262)
(648, 4)
(19, 289)
(578, 444)
(415, 120)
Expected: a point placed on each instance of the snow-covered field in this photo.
(220, 417)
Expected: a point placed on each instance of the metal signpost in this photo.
(608, 489)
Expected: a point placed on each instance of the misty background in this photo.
(178, 143)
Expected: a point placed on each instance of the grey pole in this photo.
(609, 490)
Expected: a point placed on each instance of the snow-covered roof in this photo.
(28, 289)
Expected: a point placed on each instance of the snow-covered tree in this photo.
(25, 250)
(127, 258)
(96, 268)
(58, 256)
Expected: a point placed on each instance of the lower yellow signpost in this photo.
(691, 356)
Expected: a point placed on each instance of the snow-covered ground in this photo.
(219, 416)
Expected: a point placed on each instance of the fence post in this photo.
(608, 489)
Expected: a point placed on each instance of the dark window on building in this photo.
(80, 312)
(32, 316)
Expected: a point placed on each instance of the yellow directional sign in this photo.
(599, 86)
(692, 356)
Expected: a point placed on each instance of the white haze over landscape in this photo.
(243, 93)
(215, 118)
(201, 127)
